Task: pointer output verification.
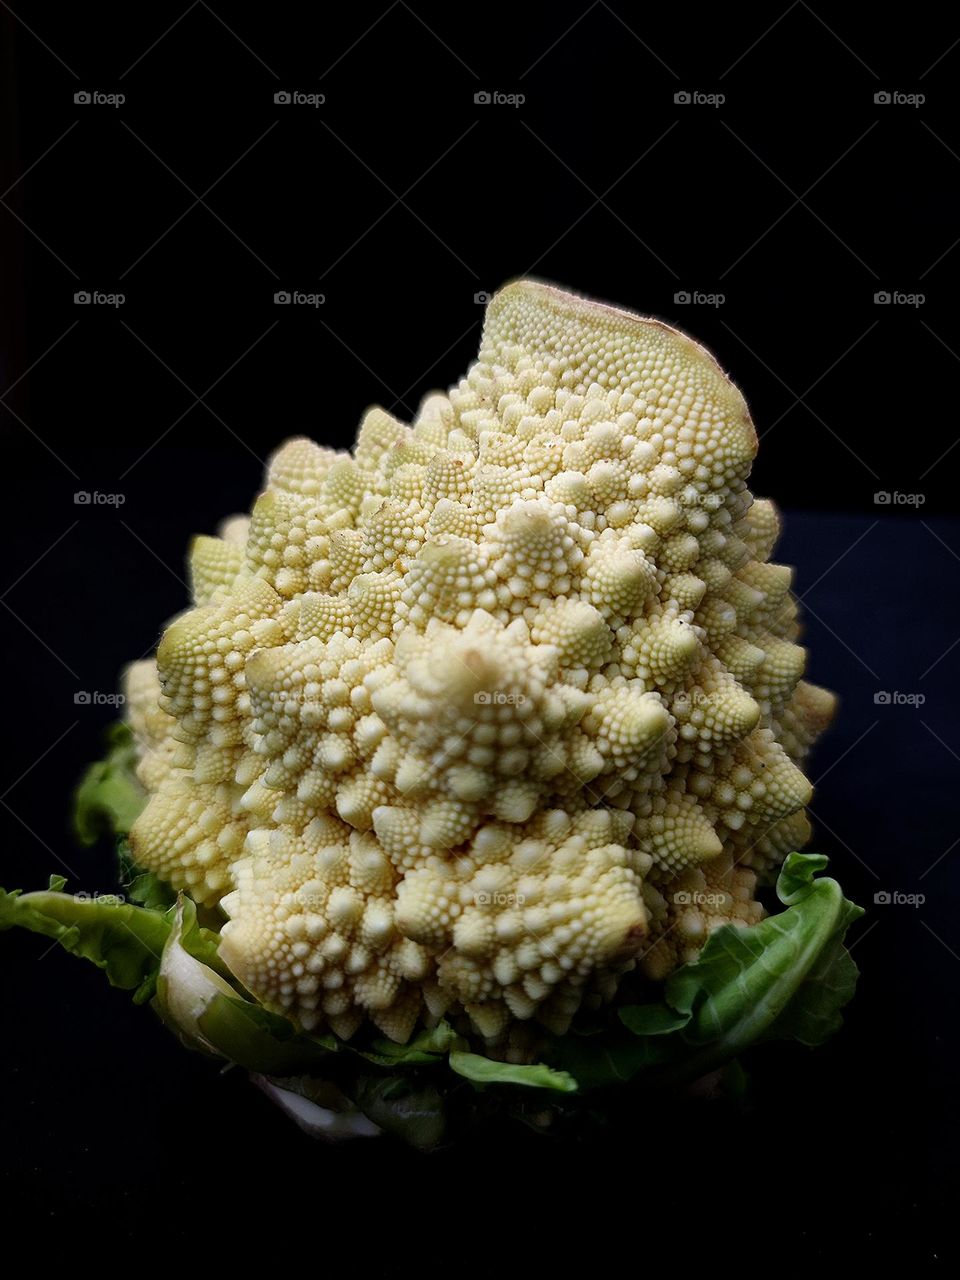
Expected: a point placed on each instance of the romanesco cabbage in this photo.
(494, 724)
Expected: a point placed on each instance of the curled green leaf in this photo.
(109, 798)
(124, 940)
(480, 1070)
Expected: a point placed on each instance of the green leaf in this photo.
(613, 1058)
(185, 984)
(734, 1081)
(252, 1037)
(651, 1019)
(109, 798)
(197, 1001)
(480, 1070)
(403, 1107)
(148, 890)
(785, 978)
(142, 887)
(797, 876)
(124, 940)
(813, 1015)
(201, 943)
(429, 1047)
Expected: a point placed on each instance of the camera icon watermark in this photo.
(499, 899)
(482, 298)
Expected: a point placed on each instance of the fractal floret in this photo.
(496, 716)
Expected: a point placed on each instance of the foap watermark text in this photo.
(897, 698)
(295, 298)
(497, 98)
(94, 698)
(696, 98)
(686, 298)
(896, 298)
(897, 98)
(86, 498)
(94, 298)
(297, 98)
(895, 898)
(894, 498)
(498, 698)
(97, 98)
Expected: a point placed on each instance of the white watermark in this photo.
(310, 900)
(894, 898)
(95, 98)
(686, 701)
(496, 98)
(695, 98)
(894, 698)
(897, 98)
(695, 299)
(94, 698)
(499, 899)
(894, 298)
(294, 298)
(695, 899)
(296, 98)
(93, 298)
(84, 498)
(497, 698)
(885, 498)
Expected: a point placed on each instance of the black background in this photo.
(399, 199)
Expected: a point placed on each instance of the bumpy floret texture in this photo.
(500, 706)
